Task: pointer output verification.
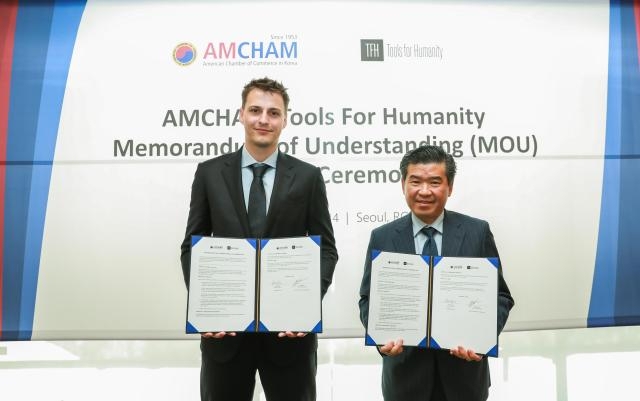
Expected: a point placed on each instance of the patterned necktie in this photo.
(257, 209)
(430, 247)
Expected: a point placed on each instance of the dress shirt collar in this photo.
(419, 224)
(248, 160)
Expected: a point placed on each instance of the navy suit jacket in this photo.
(412, 374)
(298, 207)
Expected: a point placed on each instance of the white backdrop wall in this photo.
(517, 91)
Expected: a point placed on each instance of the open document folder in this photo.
(264, 285)
(434, 302)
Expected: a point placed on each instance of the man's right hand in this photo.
(218, 334)
(392, 348)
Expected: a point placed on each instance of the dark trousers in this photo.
(438, 391)
(289, 379)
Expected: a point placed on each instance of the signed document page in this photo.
(222, 285)
(465, 304)
(398, 299)
(290, 298)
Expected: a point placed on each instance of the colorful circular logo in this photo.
(184, 54)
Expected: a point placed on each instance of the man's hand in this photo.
(291, 334)
(466, 354)
(218, 334)
(392, 348)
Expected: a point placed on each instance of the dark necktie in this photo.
(257, 209)
(430, 247)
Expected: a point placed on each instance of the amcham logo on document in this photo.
(371, 50)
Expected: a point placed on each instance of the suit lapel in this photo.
(403, 241)
(232, 176)
(453, 235)
(285, 177)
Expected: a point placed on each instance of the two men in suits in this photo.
(410, 373)
(296, 205)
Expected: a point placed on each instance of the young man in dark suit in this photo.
(296, 205)
(410, 373)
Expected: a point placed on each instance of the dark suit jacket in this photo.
(298, 207)
(411, 375)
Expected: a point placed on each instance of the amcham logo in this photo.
(184, 54)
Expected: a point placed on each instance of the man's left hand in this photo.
(466, 354)
(291, 334)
